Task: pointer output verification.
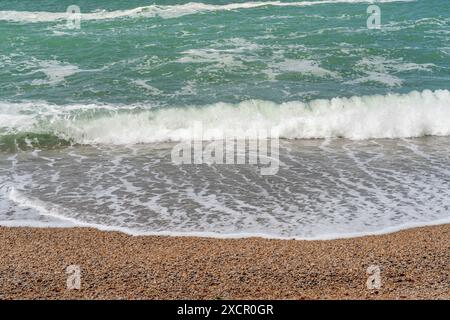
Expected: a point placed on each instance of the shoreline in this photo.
(72, 223)
(413, 264)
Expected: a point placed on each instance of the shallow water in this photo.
(89, 117)
(322, 189)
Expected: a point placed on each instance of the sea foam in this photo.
(414, 114)
(167, 11)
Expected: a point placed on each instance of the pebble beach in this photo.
(413, 264)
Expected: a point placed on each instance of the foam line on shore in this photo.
(54, 212)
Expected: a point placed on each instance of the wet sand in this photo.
(413, 264)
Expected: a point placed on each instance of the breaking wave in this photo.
(167, 11)
(414, 114)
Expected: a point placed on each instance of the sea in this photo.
(95, 96)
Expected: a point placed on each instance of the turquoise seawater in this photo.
(176, 53)
(89, 115)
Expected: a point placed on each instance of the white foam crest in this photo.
(391, 116)
(143, 84)
(14, 121)
(384, 71)
(414, 114)
(168, 11)
(383, 78)
(307, 67)
(55, 72)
